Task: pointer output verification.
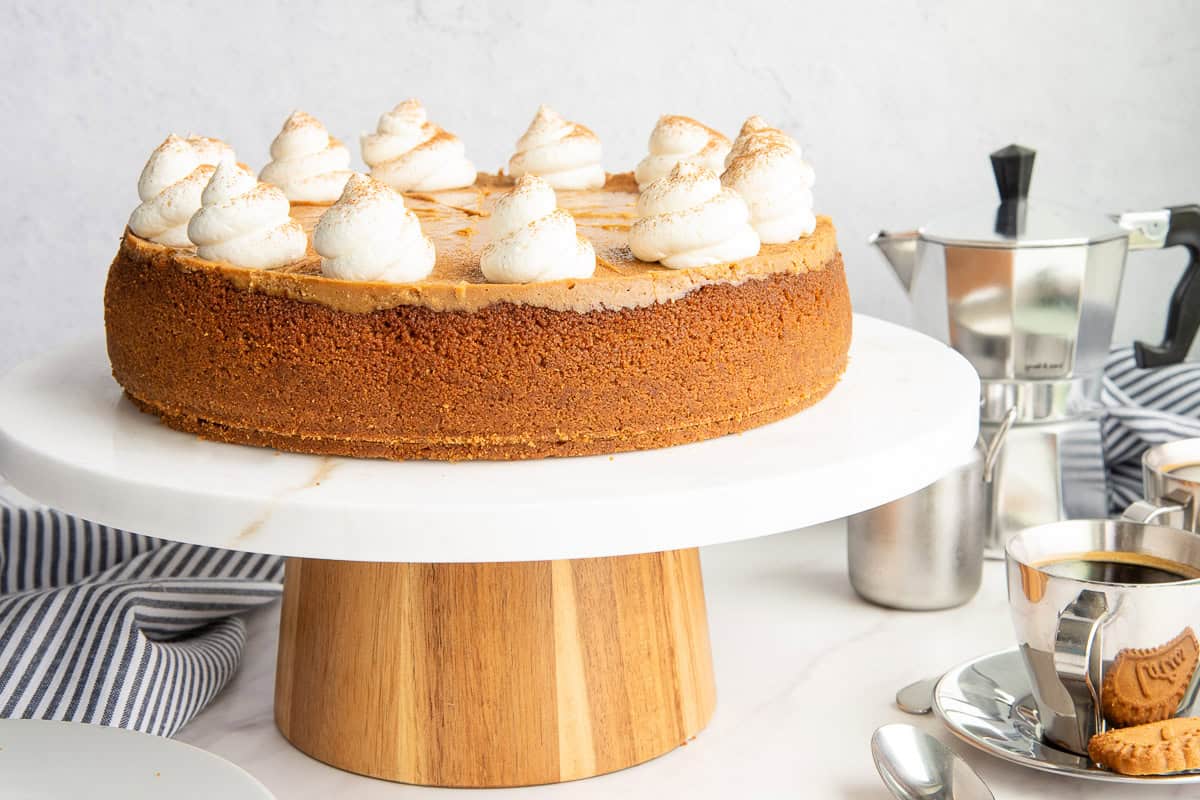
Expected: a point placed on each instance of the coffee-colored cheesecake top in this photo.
(453, 220)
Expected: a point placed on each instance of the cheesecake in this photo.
(455, 365)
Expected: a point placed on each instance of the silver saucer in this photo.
(988, 703)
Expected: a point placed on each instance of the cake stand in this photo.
(488, 623)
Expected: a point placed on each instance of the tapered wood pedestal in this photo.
(506, 674)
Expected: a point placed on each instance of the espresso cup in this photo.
(1106, 614)
(1171, 486)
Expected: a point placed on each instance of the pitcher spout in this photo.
(900, 249)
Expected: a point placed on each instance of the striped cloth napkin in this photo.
(103, 626)
(1146, 407)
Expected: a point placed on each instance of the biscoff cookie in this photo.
(1155, 748)
(1147, 684)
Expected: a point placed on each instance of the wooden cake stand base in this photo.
(485, 675)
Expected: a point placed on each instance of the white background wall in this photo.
(897, 104)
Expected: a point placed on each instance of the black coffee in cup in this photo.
(1118, 566)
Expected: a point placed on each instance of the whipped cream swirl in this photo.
(687, 219)
(170, 187)
(245, 222)
(676, 139)
(411, 154)
(306, 162)
(369, 235)
(565, 154)
(532, 239)
(766, 168)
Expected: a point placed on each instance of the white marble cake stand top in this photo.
(905, 412)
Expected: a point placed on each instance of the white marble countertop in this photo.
(805, 672)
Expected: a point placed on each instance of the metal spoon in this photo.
(917, 698)
(915, 766)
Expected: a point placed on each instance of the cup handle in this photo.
(1151, 511)
(1078, 655)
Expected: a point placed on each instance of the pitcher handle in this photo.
(991, 450)
(1183, 315)
(1078, 656)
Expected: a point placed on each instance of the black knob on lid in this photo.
(1013, 167)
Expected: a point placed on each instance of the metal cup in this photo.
(1105, 652)
(1171, 486)
(923, 551)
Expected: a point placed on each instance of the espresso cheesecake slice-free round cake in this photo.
(316, 355)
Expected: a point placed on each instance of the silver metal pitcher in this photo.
(1027, 292)
(916, 553)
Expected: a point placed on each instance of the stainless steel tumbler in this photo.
(923, 551)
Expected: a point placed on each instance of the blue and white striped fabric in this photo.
(103, 626)
(1146, 407)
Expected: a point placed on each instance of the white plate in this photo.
(42, 760)
(905, 413)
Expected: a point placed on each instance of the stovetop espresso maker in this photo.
(1027, 291)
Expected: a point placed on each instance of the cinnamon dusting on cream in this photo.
(410, 153)
(456, 284)
(677, 138)
(766, 168)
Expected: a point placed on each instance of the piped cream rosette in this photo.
(171, 184)
(245, 222)
(687, 219)
(369, 235)
(766, 168)
(676, 139)
(306, 162)
(411, 154)
(532, 239)
(565, 154)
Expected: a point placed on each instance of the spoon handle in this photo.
(917, 698)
